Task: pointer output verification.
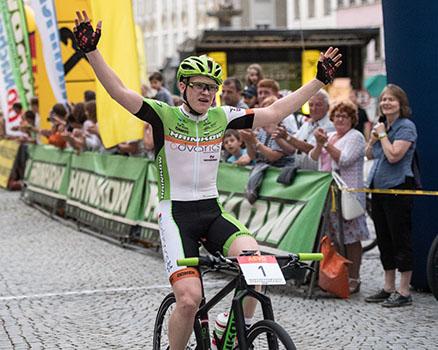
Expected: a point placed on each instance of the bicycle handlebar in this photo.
(310, 256)
(211, 260)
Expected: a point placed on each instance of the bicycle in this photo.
(264, 334)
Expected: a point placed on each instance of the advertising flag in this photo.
(119, 48)
(45, 18)
(14, 22)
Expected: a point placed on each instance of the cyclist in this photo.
(187, 151)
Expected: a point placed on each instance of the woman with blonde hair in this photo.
(254, 73)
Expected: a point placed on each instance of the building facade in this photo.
(167, 24)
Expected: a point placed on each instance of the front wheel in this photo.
(267, 334)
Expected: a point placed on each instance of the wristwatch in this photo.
(325, 144)
(382, 135)
(288, 138)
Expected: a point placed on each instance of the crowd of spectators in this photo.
(334, 136)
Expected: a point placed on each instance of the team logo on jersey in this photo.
(193, 139)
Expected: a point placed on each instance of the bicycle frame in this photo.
(236, 321)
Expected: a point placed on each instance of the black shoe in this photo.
(397, 300)
(380, 296)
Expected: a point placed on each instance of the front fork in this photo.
(237, 307)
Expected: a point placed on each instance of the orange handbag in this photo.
(333, 270)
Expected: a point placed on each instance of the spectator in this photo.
(232, 93)
(270, 88)
(58, 119)
(250, 96)
(233, 146)
(392, 144)
(267, 88)
(254, 74)
(34, 107)
(343, 151)
(90, 129)
(303, 141)
(163, 95)
(265, 151)
(17, 107)
(364, 125)
(73, 133)
(89, 95)
(27, 127)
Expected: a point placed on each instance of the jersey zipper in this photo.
(196, 165)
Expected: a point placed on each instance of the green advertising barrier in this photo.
(284, 218)
(47, 175)
(105, 192)
(149, 225)
(117, 196)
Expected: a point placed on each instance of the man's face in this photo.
(230, 96)
(318, 107)
(200, 92)
(263, 92)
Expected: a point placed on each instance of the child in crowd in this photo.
(233, 146)
(254, 74)
(163, 95)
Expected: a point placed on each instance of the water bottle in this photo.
(219, 328)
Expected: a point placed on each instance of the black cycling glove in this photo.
(86, 37)
(326, 70)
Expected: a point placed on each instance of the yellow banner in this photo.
(141, 54)
(8, 152)
(119, 49)
(309, 62)
(221, 58)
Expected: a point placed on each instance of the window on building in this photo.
(340, 3)
(352, 2)
(327, 7)
(297, 9)
(311, 8)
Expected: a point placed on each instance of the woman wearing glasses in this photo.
(343, 151)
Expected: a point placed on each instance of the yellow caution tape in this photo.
(392, 191)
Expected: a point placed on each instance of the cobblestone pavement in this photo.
(63, 289)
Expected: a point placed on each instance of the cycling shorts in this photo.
(186, 224)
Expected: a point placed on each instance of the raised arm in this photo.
(275, 113)
(87, 40)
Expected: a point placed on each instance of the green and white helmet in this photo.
(200, 65)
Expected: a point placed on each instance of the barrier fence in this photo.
(117, 196)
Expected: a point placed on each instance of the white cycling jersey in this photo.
(188, 147)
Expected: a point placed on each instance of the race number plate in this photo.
(261, 269)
